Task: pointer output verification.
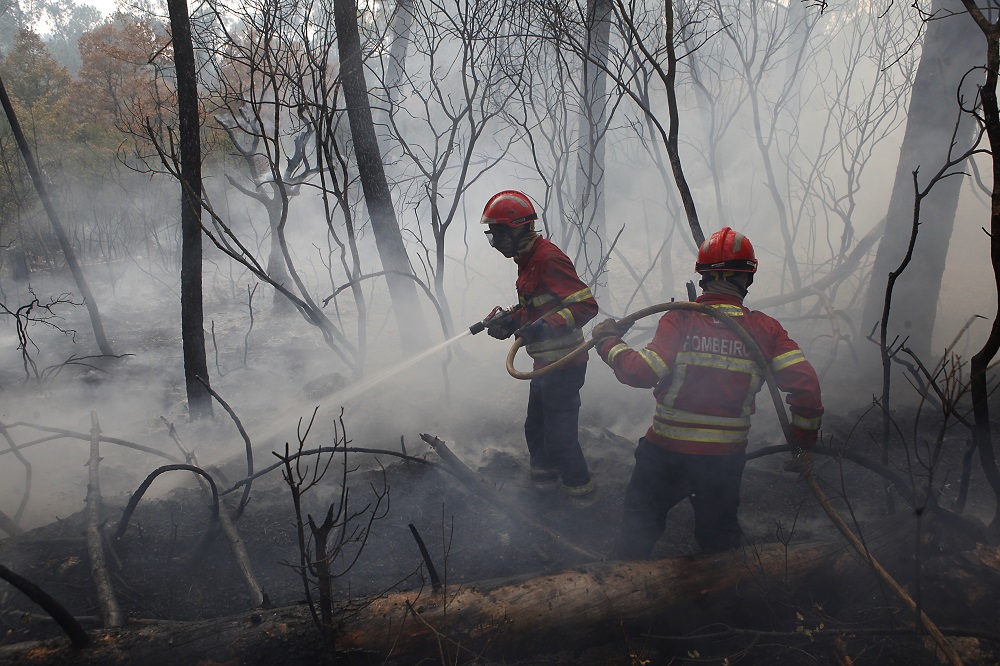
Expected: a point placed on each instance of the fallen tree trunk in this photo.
(587, 605)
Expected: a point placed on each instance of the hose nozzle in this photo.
(498, 313)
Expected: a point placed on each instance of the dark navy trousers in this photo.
(552, 423)
(660, 480)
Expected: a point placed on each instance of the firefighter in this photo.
(705, 383)
(554, 305)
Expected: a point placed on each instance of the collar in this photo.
(523, 256)
(719, 299)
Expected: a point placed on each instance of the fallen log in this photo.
(110, 611)
(587, 605)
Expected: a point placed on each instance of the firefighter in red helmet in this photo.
(705, 383)
(554, 305)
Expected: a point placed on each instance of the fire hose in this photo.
(807, 476)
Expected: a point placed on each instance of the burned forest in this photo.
(385, 332)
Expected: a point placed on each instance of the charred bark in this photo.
(590, 179)
(951, 48)
(981, 360)
(192, 305)
(378, 198)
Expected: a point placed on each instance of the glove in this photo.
(801, 463)
(503, 328)
(535, 332)
(609, 328)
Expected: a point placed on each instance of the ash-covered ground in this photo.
(164, 568)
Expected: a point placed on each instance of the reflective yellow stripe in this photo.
(699, 434)
(727, 309)
(567, 317)
(578, 297)
(672, 414)
(787, 359)
(613, 354)
(745, 365)
(655, 363)
(806, 424)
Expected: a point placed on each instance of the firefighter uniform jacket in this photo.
(546, 280)
(705, 381)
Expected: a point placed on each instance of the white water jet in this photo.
(387, 373)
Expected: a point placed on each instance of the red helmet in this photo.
(726, 250)
(509, 208)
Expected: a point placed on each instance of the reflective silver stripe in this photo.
(655, 363)
(555, 348)
(615, 351)
(577, 297)
(686, 359)
(569, 339)
(699, 434)
(695, 419)
(787, 359)
(806, 424)
(745, 365)
(539, 301)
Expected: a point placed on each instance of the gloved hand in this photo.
(535, 331)
(801, 463)
(609, 328)
(502, 328)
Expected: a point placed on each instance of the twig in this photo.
(110, 612)
(77, 636)
(431, 570)
(246, 338)
(476, 485)
(27, 473)
(215, 349)
(257, 596)
(891, 475)
(328, 449)
(246, 440)
(77, 435)
(133, 501)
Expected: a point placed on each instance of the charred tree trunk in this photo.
(951, 49)
(192, 305)
(402, 25)
(388, 238)
(57, 228)
(981, 360)
(590, 181)
(673, 132)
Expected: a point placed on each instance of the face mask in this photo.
(503, 240)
